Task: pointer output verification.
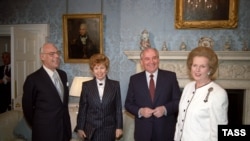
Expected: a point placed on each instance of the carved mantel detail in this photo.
(233, 72)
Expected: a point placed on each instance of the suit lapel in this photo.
(94, 92)
(144, 87)
(48, 80)
(108, 91)
(158, 84)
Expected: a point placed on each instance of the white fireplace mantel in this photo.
(233, 71)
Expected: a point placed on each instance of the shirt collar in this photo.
(100, 82)
(49, 71)
(155, 74)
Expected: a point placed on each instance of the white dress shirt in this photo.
(100, 85)
(148, 77)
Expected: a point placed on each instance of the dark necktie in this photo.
(152, 87)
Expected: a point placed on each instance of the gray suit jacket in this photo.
(99, 119)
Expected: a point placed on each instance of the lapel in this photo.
(108, 91)
(160, 80)
(47, 80)
(145, 88)
(94, 92)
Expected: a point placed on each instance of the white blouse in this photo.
(200, 112)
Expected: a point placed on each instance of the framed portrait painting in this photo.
(206, 14)
(82, 37)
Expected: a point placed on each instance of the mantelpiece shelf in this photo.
(182, 55)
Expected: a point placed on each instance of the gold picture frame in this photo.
(78, 48)
(224, 14)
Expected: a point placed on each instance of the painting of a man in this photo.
(82, 37)
(82, 47)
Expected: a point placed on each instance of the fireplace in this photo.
(235, 109)
(233, 74)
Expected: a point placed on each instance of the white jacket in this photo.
(198, 120)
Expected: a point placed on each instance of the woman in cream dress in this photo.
(204, 104)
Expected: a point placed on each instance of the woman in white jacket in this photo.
(204, 104)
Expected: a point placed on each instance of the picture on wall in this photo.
(82, 37)
(206, 14)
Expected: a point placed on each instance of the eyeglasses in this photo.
(53, 53)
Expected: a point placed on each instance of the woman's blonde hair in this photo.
(204, 52)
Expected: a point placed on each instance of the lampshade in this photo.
(76, 86)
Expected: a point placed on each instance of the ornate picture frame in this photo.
(82, 36)
(191, 14)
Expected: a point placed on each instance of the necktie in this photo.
(152, 87)
(58, 85)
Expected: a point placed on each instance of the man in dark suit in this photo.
(44, 106)
(154, 110)
(5, 85)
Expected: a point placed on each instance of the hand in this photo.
(118, 133)
(146, 112)
(81, 134)
(5, 80)
(159, 111)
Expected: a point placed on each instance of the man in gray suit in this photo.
(46, 108)
(154, 109)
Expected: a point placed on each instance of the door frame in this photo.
(43, 33)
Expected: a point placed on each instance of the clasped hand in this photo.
(5, 79)
(148, 112)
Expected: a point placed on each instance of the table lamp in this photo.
(76, 86)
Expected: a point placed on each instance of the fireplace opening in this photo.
(235, 107)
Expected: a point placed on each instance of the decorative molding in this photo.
(232, 64)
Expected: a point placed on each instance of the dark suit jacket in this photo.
(5, 91)
(99, 118)
(167, 93)
(43, 109)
